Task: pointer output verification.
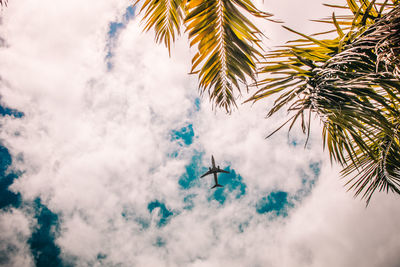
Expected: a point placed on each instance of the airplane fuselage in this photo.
(214, 170)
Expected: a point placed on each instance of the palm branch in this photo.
(382, 173)
(228, 45)
(350, 82)
(227, 42)
(165, 17)
(381, 170)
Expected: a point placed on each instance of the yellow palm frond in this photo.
(228, 45)
(165, 17)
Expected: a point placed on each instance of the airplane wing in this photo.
(219, 170)
(207, 173)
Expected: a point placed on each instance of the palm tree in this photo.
(228, 43)
(352, 83)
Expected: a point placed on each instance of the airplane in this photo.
(214, 170)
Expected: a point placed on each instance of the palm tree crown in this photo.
(351, 83)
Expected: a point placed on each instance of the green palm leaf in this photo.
(351, 82)
(228, 45)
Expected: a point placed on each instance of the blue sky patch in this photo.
(115, 27)
(101, 256)
(293, 142)
(160, 242)
(188, 200)
(44, 250)
(242, 226)
(4, 111)
(232, 182)
(308, 182)
(197, 104)
(279, 202)
(276, 202)
(7, 198)
(101, 259)
(129, 13)
(144, 223)
(185, 134)
(130, 215)
(193, 171)
(173, 154)
(316, 168)
(164, 213)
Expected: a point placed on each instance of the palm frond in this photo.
(351, 82)
(388, 46)
(165, 17)
(228, 45)
(381, 174)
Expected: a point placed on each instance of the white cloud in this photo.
(94, 146)
(15, 232)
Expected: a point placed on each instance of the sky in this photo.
(103, 138)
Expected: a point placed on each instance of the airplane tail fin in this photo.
(217, 185)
